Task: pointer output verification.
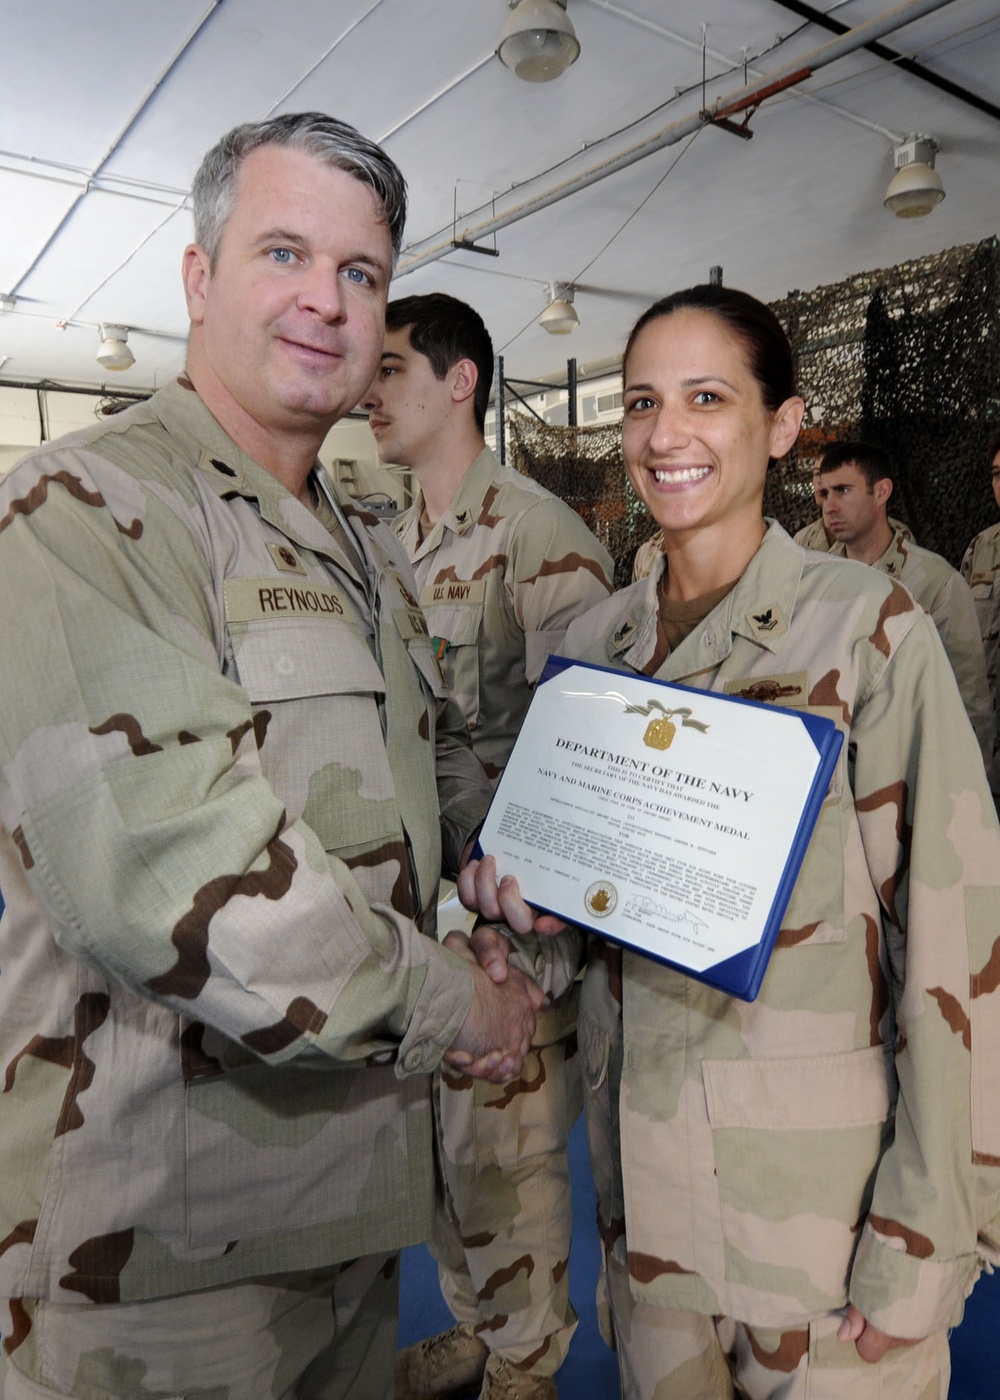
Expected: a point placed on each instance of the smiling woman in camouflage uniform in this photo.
(790, 1191)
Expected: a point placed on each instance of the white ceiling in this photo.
(106, 109)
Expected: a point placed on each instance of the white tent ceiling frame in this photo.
(105, 114)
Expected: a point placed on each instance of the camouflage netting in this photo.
(583, 466)
(908, 357)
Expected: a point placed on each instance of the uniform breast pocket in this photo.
(317, 695)
(460, 627)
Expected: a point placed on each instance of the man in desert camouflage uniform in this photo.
(503, 566)
(815, 535)
(855, 485)
(746, 1160)
(981, 571)
(223, 745)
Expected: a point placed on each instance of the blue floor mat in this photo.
(591, 1372)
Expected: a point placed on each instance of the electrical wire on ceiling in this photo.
(321, 59)
(620, 229)
(642, 203)
(126, 260)
(735, 67)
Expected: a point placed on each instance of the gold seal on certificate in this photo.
(668, 819)
(601, 899)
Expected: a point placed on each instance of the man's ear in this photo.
(883, 490)
(464, 378)
(195, 274)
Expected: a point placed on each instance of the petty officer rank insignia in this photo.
(767, 624)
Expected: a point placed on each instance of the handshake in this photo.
(500, 1024)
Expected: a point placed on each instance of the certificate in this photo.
(668, 819)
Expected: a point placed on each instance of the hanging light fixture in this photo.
(114, 353)
(538, 42)
(559, 316)
(916, 187)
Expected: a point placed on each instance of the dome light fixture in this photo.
(559, 316)
(114, 353)
(916, 187)
(538, 42)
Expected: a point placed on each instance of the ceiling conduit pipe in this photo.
(898, 60)
(857, 38)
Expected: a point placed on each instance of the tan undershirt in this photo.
(677, 620)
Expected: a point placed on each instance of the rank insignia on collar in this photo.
(286, 558)
(767, 623)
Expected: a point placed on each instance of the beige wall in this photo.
(21, 421)
(349, 445)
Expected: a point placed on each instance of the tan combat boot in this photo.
(442, 1367)
(503, 1382)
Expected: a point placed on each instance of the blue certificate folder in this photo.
(657, 816)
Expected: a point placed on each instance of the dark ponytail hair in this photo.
(753, 324)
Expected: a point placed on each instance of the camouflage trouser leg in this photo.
(502, 1233)
(325, 1335)
(667, 1355)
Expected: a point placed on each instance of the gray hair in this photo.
(329, 140)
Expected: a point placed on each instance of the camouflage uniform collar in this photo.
(758, 609)
(467, 503)
(634, 639)
(230, 471)
(893, 560)
(463, 512)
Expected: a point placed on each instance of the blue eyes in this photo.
(285, 257)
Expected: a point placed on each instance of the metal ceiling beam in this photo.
(898, 60)
(857, 38)
(93, 175)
